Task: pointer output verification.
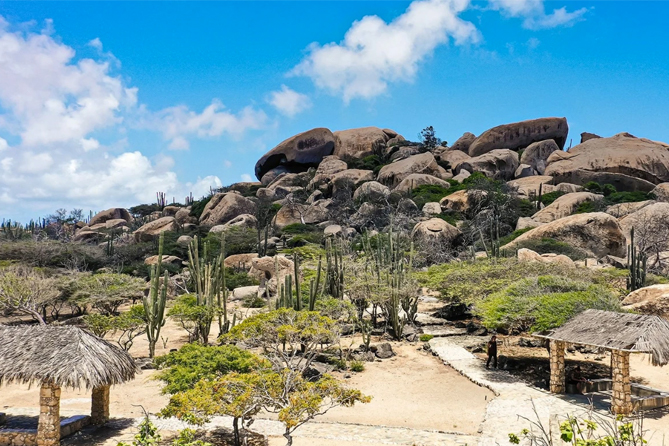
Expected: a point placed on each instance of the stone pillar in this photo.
(48, 426)
(557, 384)
(100, 405)
(621, 399)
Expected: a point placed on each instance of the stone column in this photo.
(48, 426)
(100, 405)
(621, 400)
(557, 384)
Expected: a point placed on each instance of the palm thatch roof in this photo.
(617, 331)
(66, 356)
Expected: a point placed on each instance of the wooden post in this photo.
(100, 405)
(557, 383)
(48, 426)
(621, 398)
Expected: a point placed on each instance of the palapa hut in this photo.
(58, 357)
(622, 334)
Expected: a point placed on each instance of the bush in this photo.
(629, 197)
(197, 208)
(428, 193)
(425, 337)
(49, 253)
(238, 240)
(235, 279)
(514, 235)
(254, 302)
(550, 197)
(451, 218)
(304, 239)
(542, 303)
(357, 366)
(298, 228)
(551, 245)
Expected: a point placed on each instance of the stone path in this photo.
(516, 405)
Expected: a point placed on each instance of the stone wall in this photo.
(557, 384)
(18, 437)
(621, 401)
(100, 405)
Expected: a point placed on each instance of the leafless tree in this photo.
(27, 291)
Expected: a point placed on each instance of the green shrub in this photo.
(428, 193)
(304, 239)
(542, 303)
(197, 207)
(514, 235)
(308, 252)
(298, 228)
(235, 279)
(586, 207)
(425, 337)
(550, 197)
(629, 197)
(254, 302)
(182, 369)
(238, 240)
(450, 218)
(357, 366)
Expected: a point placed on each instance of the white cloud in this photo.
(534, 13)
(375, 53)
(96, 43)
(178, 123)
(89, 144)
(247, 178)
(289, 102)
(227, 163)
(4, 145)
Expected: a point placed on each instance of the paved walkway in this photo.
(516, 405)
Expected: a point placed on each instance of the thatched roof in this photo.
(67, 356)
(617, 331)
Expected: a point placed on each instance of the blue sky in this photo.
(104, 103)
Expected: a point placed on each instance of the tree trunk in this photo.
(235, 427)
(288, 437)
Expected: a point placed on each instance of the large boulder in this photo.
(520, 135)
(223, 207)
(457, 201)
(537, 153)
(419, 179)
(361, 142)
(652, 299)
(111, 214)
(597, 233)
(527, 255)
(627, 162)
(153, 229)
(183, 215)
(271, 270)
(646, 217)
(621, 210)
(529, 186)
(393, 174)
(464, 142)
(661, 192)
(298, 153)
(371, 191)
(500, 164)
(246, 221)
(316, 212)
(350, 178)
(452, 157)
(326, 170)
(435, 230)
(273, 174)
(240, 261)
(563, 206)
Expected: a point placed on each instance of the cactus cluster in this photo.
(154, 302)
(636, 263)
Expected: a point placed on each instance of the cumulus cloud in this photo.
(289, 102)
(374, 53)
(4, 145)
(533, 13)
(247, 178)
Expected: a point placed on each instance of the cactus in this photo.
(298, 295)
(636, 263)
(154, 303)
(161, 200)
(315, 286)
(334, 269)
(541, 188)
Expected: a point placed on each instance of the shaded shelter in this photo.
(620, 333)
(56, 357)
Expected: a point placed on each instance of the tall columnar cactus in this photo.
(636, 263)
(315, 290)
(334, 269)
(154, 303)
(541, 189)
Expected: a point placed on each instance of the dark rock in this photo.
(586, 136)
(316, 370)
(529, 342)
(454, 312)
(383, 351)
(520, 135)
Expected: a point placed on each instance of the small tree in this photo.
(427, 136)
(28, 291)
(107, 291)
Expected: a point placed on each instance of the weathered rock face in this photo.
(298, 153)
(537, 153)
(361, 142)
(245, 292)
(524, 171)
(326, 170)
(652, 299)
(273, 174)
(500, 164)
(464, 142)
(585, 136)
(247, 221)
(153, 228)
(224, 207)
(432, 208)
(620, 210)
(111, 214)
(184, 241)
(116, 223)
(530, 185)
(645, 217)
(240, 261)
(169, 260)
(271, 270)
(351, 178)
(371, 191)
(300, 213)
(452, 157)
(457, 201)
(435, 230)
(393, 174)
(462, 176)
(182, 216)
(564, 206)
(627, 162)
(527, 255)
(661, 192)
(520, 134)
(596, 233)
(418, 179)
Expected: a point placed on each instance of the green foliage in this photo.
(154, 302)
(308, 252)
(107, 291)
(254, 301)
(50, 253)
(337, 309)
(357, 366)
(193, 317)
(427, 193)
(298, 228)
(514, 235)
(550, 245)
(429, 138)
(450, 218)
(238, 240)
(550, 197)
(304, 239)
(370, 162)
(235, 279)
(147, 436)
(197, 208)
(425, 337)
(188, 437)
(542, 303)
(629, 197)
(144, 210)
(636, 263)
(182, 369)
(586, 207)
